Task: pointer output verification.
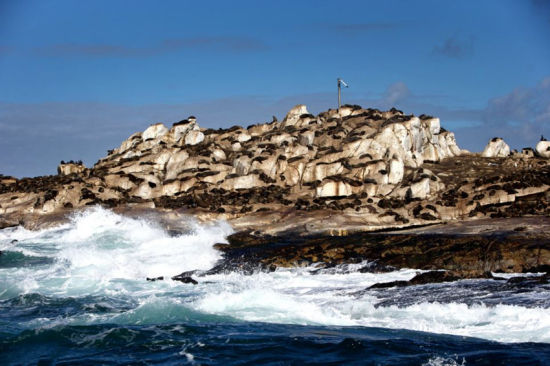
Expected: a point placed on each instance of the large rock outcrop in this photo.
(313, 156)
(374, 166)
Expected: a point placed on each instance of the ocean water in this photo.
(77, 294)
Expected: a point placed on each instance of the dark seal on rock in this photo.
(184, 279)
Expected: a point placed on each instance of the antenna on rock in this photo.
(340, 83)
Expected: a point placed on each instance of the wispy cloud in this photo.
(520, 116)
(217, 44)
(98, 50)
(395, 94)
(236, 44)
(363, 27)
(455, 47)
(526, 110)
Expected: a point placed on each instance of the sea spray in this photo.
(100, 252)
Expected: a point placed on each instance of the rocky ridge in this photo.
(339, 171)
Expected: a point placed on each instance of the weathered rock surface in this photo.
(311, 188)
(294, 115)
(496, 148)
(471, 249)
(154, 131)
(337, 172)
(543, 149)
(71, 168)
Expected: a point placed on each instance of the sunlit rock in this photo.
(330, 188)
(543, 149)
(294, 115)
(194, 137)
(154, 131)
(496, 148)
(70, 168)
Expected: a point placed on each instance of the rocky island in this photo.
(290, 187)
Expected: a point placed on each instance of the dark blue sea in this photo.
(76, 294)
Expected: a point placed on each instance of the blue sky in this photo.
(77, 78)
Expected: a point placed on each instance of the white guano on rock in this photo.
(543, 149)
(496, 148)
(154, 131)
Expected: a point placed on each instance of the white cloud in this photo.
(395, 94)
(526, 110)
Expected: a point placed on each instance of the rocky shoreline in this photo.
(318, 189)
(470, 249)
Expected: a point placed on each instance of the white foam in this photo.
(507, 276)
(10, 237)
(296, 297)
(98, 249)
(444, 361)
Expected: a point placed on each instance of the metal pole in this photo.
(339, 96)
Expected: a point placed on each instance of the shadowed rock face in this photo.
(353, 169)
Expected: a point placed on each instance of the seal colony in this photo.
(337, 173)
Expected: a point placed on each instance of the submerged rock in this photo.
(426, 278)
(526, 280)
